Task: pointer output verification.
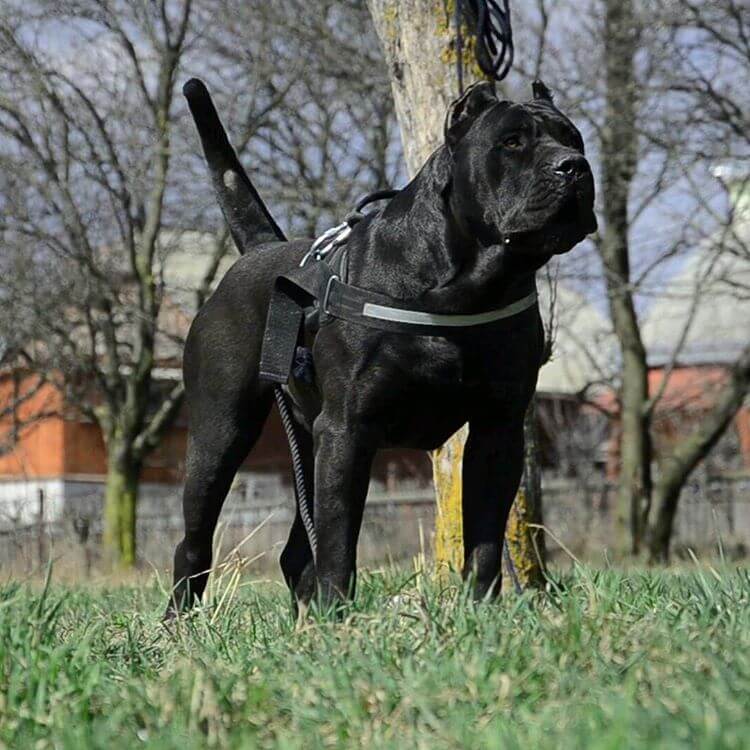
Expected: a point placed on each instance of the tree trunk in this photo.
(619, 152)
(447, 477)
(418, 42)
(666, 497)
(675, 468)
(525, 540)
(120, 498)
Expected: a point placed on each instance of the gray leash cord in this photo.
(297, 467)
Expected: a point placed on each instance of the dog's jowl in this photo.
(457, 249)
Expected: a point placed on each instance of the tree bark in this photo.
(619, 153)
(675, 468)
(524, 535)
(418, 43)
(120, 498)
(447, 477)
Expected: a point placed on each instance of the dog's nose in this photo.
(572, 166)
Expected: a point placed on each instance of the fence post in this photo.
(40, 527)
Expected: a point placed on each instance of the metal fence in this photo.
(713, 519)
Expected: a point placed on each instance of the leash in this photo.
(319, 249)
(298, 469)
(493, 35)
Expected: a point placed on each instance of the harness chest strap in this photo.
(317, 283)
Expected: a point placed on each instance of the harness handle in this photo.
(378, 195)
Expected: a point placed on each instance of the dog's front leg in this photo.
(492, 466)
(343, 460)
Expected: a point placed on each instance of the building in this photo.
(693, 334)
(63, 456)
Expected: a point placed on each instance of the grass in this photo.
(605, 660)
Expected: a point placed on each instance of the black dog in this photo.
(509, 189)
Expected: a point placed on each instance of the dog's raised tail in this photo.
(250, 221)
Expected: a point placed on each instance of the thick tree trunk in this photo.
(120, 499)
(666, 497)
(418, 42)
(675, 468)
(525, 539)
(619, 152)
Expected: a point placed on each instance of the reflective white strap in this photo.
(397, 315)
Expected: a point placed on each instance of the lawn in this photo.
(604, 660)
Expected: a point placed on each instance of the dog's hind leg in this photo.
(216, 448)
(297, 558)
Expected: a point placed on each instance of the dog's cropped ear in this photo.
(541, 92)
(464, 110)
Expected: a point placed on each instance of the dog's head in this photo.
(519, 176)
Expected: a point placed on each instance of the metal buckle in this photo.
(327, 294)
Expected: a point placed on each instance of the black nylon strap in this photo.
(317, 284)
(280, 338)
(293, 292)
(351, 303)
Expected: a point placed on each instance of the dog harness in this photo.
(317, 290)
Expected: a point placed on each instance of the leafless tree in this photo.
(327, 131)
(87, 139)
(663, 104)
(102, 180)
(710, 71)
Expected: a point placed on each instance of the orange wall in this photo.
(85, 453)
(83, 448)
(742, 424)
(690, 393)
(55, 446)
(40, 448)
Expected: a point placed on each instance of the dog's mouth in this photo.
(570, 222)
(576, 214)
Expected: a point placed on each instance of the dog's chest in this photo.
(417, 390)
(444, 384)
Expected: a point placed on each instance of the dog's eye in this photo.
(513, 142)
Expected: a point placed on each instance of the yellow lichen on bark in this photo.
(449, 55)
(521, 543)
(446, 471)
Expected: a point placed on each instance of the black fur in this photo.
(466, 235)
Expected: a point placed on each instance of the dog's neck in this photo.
(417, 250)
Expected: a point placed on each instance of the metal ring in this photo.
(327, 294)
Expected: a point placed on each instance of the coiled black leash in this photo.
(493, 37)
